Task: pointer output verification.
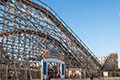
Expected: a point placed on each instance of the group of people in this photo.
(53, 74)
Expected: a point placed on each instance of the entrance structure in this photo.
(50, 58)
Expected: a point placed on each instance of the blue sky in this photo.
(96, 22)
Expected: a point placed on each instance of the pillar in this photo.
(62, 70)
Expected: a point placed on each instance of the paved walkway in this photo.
(115, 78)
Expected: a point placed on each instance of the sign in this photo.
(53, 53)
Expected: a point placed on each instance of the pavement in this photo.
(110, 78)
